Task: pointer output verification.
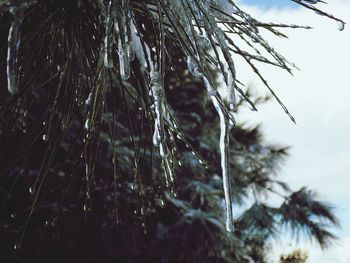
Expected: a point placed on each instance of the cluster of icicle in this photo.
(198, 30)
(117, 24)
(129, 45)
(197, 57)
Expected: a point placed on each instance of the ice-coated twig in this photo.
(157, 95)
(309, 4)
(159, 138)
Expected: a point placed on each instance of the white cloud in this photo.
(319, 98)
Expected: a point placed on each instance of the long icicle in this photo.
(12, 49)
(225, 127)
(226, 123)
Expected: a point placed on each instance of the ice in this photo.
(225, 127)
(341, 25)
(157, 95)
(193, 68)
(226, 123)
(231, 96)
(108, 39)
(137, 47)
(12, 49)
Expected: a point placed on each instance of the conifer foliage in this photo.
(110, 142)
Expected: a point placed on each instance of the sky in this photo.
(270, 3)
(318, 96)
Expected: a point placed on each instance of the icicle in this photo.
(157, 95)
(123, 61)
(137, 47)
(124, 46)
(225, 127)
(129, 49)
(12, 49)
(108, 39)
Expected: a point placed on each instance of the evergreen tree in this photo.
(297, 256)
(110, 143)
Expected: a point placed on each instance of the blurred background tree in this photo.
(80, 177)
(297, 256)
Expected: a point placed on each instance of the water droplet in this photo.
(17, 247)
(89, 100)
(45, 137)
(87, 124)
(13, 215)
(341, 25)
(31, 190)
(255, 39)
(200, 161)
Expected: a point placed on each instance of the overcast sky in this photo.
(319, 98)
